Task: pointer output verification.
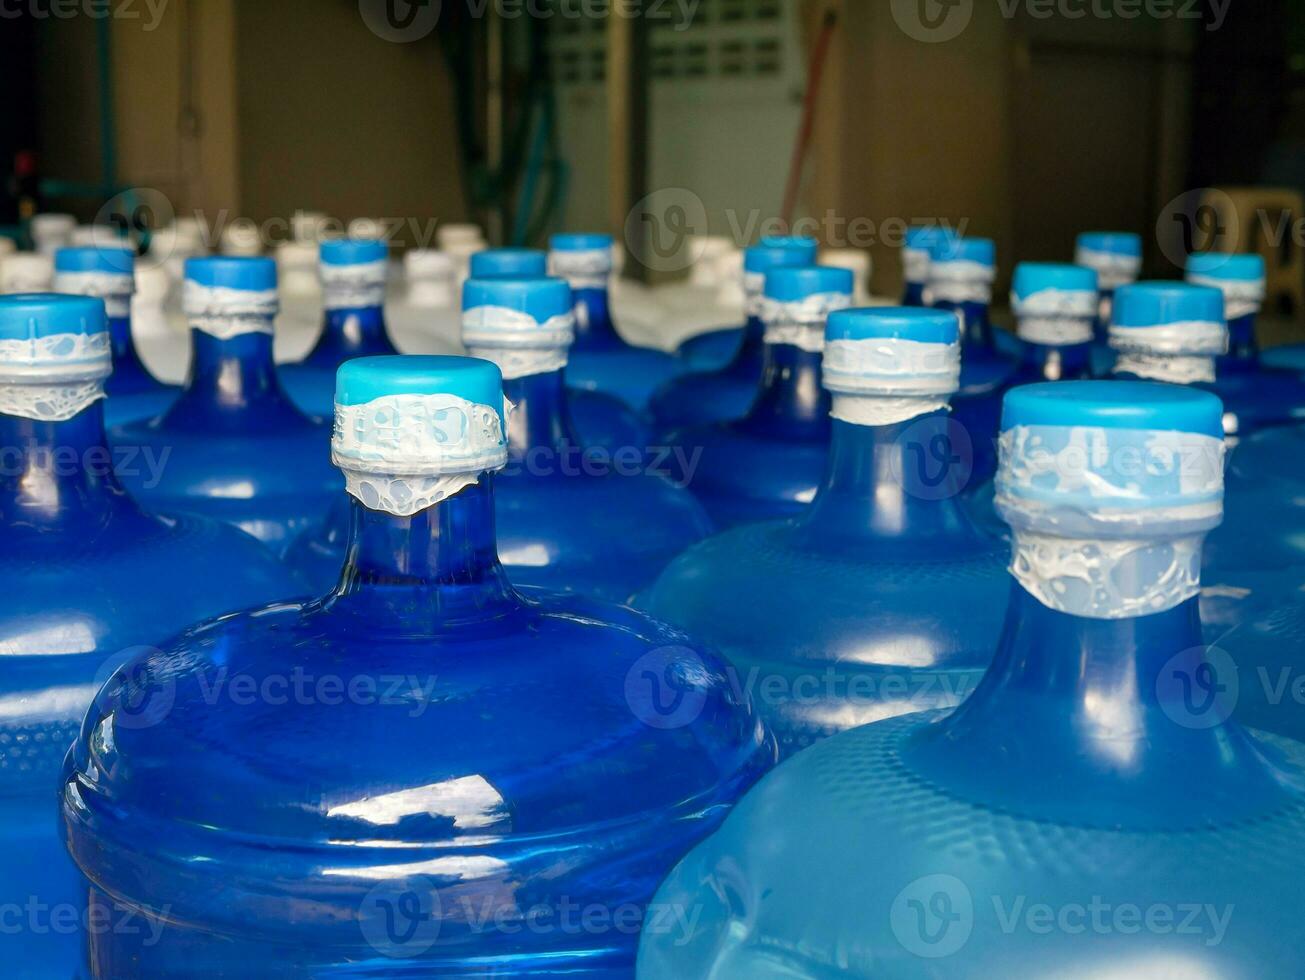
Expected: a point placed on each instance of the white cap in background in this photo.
(26, 272)
(430, 274)
(858, 261)
(51, 232)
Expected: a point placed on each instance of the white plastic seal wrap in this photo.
(1241, 297)
(1180, 353)
(114, 288)
(518, 343)
(53, 378)
(402, 453)
(1055, 317)
(1108, 522)
(959, 281)
(353, 286)
(222, 312)
(582, 268)
(800, 323)
(1113, 269)
(882, 381)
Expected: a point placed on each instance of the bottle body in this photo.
(329, 844)
(830, 620)
(90, 578)
(233, 447)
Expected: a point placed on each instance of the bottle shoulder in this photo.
(296, 727)
(885, 847)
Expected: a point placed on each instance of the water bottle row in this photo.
(434, 765)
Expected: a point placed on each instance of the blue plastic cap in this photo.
(925, 237)
(116, 260)
(1034, 277)
(1112, 243)
(1233, 267)
(1156, 304)
(364, 379)
(353, 251)
(26, 316)
(579, 242)
(518, 263)
(1141, 405)
(251, 273)
(894, 322)
(788, 284)
(779, 252)
(952, 249)
(541, 297)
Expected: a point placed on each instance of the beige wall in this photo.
(336, 119)
(1028, 131)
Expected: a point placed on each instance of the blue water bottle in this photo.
(601, 420)
(1116, 258)
(570, 517)
(423, 772)
(1089, 811)
(917, 252)
(961, 272)
(601, 359)
(88, 577)
(109, 273)
(1055, 306)
(234, 446)
(353, 272)
(832, 619)
(727, 393)
(1255, 398)
(769, 463)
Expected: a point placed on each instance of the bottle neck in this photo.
(126, 359)
(1054, 362)
(913, 294)
(1127, 717)
(896, 486)
(1243, 349)
(540, 416)
(349, 333)
(791, 399)
(976, 325)
(57, 473)
(432, 570)
(230, 377)
(751, 354)
(594, 330)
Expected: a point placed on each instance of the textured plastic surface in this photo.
(1089, 811)
(87, 576)
(486, 767)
